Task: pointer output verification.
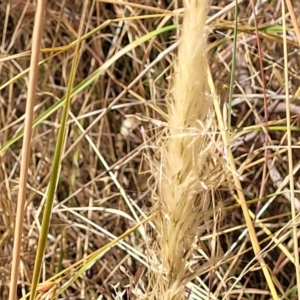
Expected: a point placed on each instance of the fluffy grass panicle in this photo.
(188, 169)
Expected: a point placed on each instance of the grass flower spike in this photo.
(187, 170)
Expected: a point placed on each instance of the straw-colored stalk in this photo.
(188, 169)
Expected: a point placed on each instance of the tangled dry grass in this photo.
(106, 183)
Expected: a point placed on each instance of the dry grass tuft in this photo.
(103, 191)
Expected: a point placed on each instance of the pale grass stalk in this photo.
(33, 73)
(189, 169)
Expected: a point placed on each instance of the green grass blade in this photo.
(53, 178)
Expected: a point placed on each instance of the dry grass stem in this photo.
(35, 55)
